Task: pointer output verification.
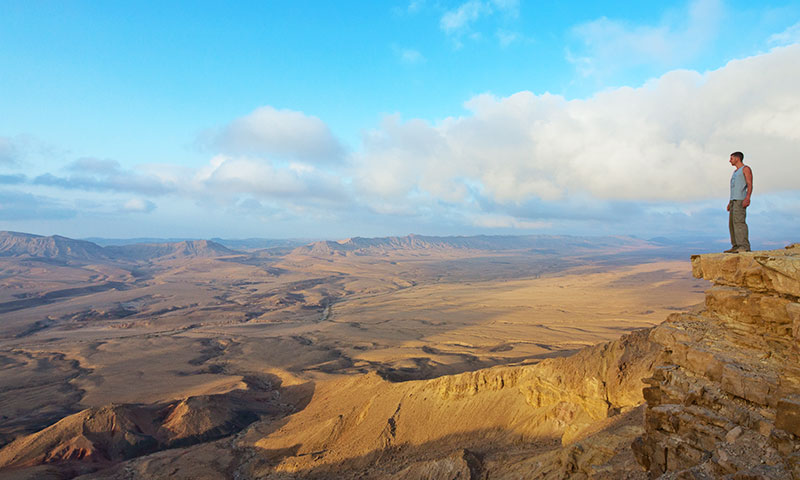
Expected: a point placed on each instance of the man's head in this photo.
(737, 158)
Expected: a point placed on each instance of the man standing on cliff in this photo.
(741, 189)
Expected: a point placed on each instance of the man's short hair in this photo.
(738, 155)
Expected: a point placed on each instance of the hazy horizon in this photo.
(301, 120)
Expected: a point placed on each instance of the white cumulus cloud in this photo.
(286, 134)
(139, 205)
(666, 141)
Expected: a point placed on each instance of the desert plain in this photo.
(297, 332)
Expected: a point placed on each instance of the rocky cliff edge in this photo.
(724, 401)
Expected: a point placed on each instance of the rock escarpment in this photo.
(367, 427)
(725, 402)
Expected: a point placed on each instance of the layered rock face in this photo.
(725, 401)
(367, 427)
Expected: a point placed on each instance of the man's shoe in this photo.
(732, 250)
(742, 250)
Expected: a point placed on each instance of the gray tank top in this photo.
(738, 185)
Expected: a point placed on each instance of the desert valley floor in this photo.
(152, 324)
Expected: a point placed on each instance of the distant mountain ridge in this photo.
(184, 249)
(16, 244)
(56, 247)
(543, 243)
(232, 243)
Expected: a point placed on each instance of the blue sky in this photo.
(335, 119)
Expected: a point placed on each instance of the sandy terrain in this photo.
(86, 335)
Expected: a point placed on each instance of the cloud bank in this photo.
(666, 141)
(92, 174)
(16, 206)
(294, 182)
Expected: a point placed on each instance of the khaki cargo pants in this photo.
(737, 225)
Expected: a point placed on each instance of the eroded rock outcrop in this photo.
(725, 401)
(112, 433)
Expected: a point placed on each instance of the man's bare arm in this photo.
(748, 178)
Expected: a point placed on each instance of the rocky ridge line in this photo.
(56, 247)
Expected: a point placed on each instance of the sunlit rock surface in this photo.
(725, 402)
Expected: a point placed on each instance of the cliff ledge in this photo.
(724, 401)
